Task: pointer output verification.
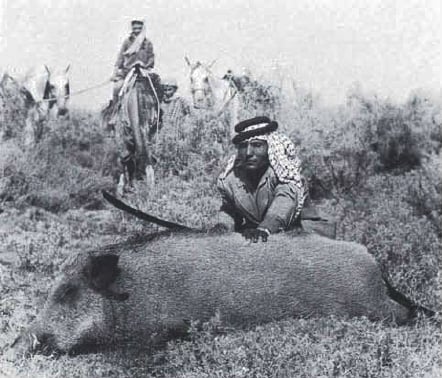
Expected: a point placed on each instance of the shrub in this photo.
(424, 192)
(12, 108)
(66, 169)
(343, 147)
(405, 244)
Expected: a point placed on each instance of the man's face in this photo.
(253, 155)
(136, 28)
(169, 91)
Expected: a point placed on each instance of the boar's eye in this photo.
(66, 293)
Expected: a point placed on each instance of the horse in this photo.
(59, 88)
(137, 120)
(41, 94)
(214, 95)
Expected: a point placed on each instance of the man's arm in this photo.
(146, 54)
(184, 107)
(283, 208)
(228, 206)
(120, 58)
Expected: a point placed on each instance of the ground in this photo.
(302, 348)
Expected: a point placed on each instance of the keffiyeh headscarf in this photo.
(138, 41)
(283, 154)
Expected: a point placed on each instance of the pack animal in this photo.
(59, 91)
(138, 291)
(45, 95)
(212, 94)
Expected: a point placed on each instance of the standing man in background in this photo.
(174, 108)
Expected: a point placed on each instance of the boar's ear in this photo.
(101, 271)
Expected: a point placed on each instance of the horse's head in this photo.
(200, 84)
(58, 89)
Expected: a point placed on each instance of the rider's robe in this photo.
(145, 56)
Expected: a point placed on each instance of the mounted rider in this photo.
(134, 112)
(136, 51)
(262, 187)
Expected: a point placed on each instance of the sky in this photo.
(389, 47)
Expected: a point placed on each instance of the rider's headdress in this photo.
(137, 22)
(138, 41)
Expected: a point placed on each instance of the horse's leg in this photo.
(234, 105)
(52, 112)
(28, 133)
(29, 137)
(151, 129)
(133, 110)
(126, 144)
(228, 122)
(126, 156)
(129, 171)
(121, 185)
(39, 127)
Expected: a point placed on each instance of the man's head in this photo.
(169, 86)
(228, 75)
(251, 143)
(137, 26)
(252, 155)
(260, 146)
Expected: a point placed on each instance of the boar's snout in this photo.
(29, 343)
(45, 344)
(76, 314)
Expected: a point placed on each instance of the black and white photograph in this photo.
(229, 188)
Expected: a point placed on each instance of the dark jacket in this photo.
(272, 206)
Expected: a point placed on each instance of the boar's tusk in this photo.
(34, 341)
(15, 342)
(141, 215)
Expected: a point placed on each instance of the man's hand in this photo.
(140, 64)
(117, 75)
(254, 234)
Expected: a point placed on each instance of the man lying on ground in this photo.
(262, 187)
